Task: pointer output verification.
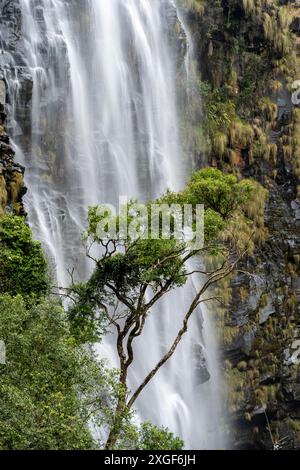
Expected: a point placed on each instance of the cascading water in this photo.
(103, 124)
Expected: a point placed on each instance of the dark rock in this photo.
(2, 93)
(176, 32)
(263, 321)
(200, 366)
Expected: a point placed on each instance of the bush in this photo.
(23, 268)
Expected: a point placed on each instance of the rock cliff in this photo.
(11, 173)
(248, 57)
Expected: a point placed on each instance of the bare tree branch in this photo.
(196, 302)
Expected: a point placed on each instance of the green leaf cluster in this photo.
(23, 268)
(42, 380)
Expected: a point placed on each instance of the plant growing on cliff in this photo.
(133, 275)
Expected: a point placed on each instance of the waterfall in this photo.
(103, 123)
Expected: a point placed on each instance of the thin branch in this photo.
(120, 297)
(110, 318)
(196, 302)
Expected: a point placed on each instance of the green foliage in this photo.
(219, 108)
(220, 192)
(147, 437)
(42, 380)
(50, 388)
(23, 269)
(249, 84)
(85, 322)
(152, 437)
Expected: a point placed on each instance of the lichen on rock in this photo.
(12, 187)
(247, 55)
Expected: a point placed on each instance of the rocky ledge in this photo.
(259, 328)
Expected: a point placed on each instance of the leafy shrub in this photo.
(23, 268)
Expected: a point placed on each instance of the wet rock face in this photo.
(175, 31)
(2, 93)
(13, 65)
(11, 173)
(9, 24)
(268, 337)
(270, 309)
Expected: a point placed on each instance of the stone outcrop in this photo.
(11, 174)
(262, 351)
(12, 65)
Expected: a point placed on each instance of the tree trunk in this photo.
(117, 422)
(121, 404)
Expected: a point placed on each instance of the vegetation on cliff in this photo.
(11, 174)
(247, 57)
(247, 54)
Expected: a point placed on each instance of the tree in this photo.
(51, 388)
(148, 437)
(133, 274)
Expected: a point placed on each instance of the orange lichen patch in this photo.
(15, 188)
(3, 195)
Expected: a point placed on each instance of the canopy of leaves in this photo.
(149, 437)
(50, 388)
(23, 268)
(152, 437)
(222, 193)
(42, 380)
(129, 266)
